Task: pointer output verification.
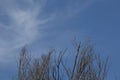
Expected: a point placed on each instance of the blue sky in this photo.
(44, 24)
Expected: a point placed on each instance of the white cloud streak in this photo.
(23, 27)
(77, 7)
(24, 22)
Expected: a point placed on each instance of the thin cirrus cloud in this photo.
(24, 21)
(21, 26)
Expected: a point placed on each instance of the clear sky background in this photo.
(44, 24)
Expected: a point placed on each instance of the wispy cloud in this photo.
(25, 18)
(23, 25)
(76, 7)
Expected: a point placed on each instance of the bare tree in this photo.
(85, 65)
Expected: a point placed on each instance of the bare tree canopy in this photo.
(85, 65)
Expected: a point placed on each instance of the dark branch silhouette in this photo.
(85, 66)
